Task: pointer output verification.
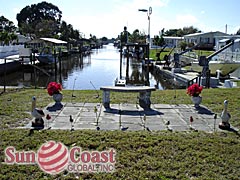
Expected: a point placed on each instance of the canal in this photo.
(78, 72)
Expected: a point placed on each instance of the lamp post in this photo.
(149, 12)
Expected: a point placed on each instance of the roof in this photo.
(55, 41)
(173, 37)
(223, 40)
(237, 40)
(201, 33)
(52, 40)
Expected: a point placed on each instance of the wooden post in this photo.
(55, 65)
(5, 68)
(121, 61)
(60, 65)
(127, 68)
(35, 84)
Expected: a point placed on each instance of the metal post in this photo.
(149, 12)
(5, 68)
(121, 49)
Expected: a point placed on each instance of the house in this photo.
(170, 41)
(205, 41)
(223, 40)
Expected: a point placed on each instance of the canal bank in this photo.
(182, 78)
(99, 68)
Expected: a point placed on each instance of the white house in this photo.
(204, 40)
(223, 40)
(170, 41)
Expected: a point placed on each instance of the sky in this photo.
(107, 18)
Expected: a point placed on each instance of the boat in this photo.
(9, 64)
(46, 56)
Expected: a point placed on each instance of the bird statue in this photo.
(124, 128)
(167, 123)
(48, 117)
(71, 121)
(98, 128)
(225, 116)
(215, 118)
(168, 127)
(191, 120)
(38, 114)
(148, 129)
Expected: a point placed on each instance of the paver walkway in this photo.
(160, 117)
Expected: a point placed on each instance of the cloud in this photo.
(186, 19)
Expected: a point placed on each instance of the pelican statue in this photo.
(38, 114)
(225, 116)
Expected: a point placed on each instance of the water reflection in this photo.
(77, 72)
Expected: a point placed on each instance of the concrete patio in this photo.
(131, 116)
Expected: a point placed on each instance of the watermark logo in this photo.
(54, 157)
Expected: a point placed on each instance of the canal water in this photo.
(78, 72)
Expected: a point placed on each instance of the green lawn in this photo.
(140, 154)
(166, 51)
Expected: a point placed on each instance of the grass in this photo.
(166, 51)
(140, 154)
(153, 53)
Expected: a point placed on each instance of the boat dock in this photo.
(182, 78)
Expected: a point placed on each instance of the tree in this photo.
(190, 30)
(171, 32)
(238, 32)
(30, 17)
(67, 32)
(104, 38)
(7, 30)
(6, 25)
(181, 32)
(183, 45)
(46, 28)
(137, 37)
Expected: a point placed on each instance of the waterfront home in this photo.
(170, 41)
(173, 41)
(206, 41)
